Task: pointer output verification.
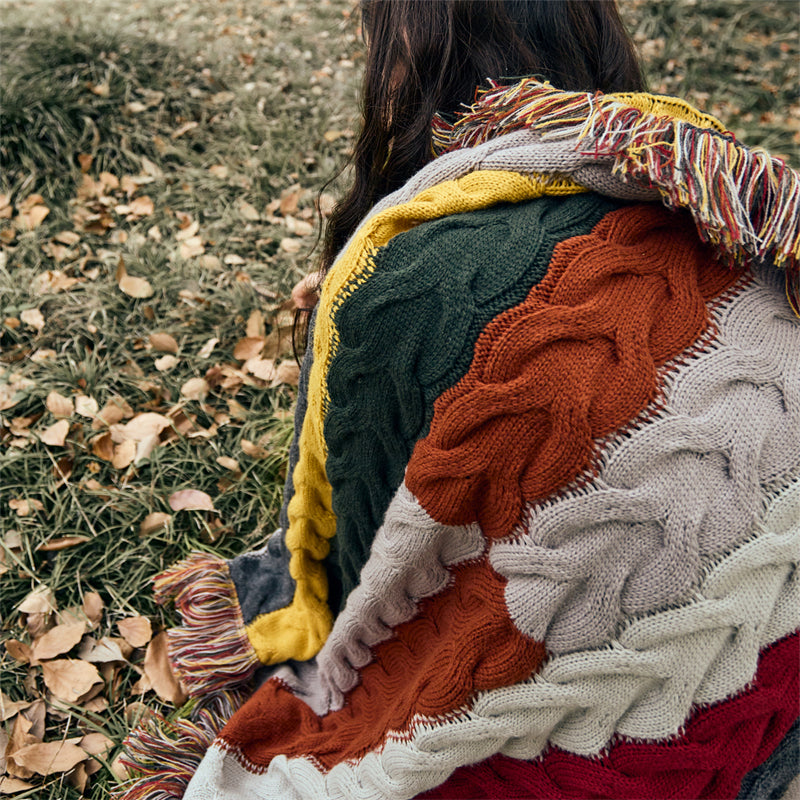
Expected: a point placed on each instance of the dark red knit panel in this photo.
(719, 746)
(462, 643)
(574, 362)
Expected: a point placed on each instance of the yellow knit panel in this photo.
(299, 630)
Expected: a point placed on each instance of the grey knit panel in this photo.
(674, 493)
(771, 780)
(410, 559)
(262, 578)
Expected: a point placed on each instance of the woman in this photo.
(540, 532)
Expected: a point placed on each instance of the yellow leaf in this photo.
(56, 434)
(137, 631)
(69, 678)
(58, 640)
(159, 672)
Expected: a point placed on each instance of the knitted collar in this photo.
(744, 201)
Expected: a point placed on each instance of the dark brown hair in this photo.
(428, 56)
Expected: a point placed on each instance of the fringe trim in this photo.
(744, 201)
(211, 650)
(163, 755)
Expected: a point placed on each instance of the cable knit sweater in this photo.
(542, 520)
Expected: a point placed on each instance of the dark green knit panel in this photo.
(408, 334)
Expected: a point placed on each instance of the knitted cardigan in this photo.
(542, 520)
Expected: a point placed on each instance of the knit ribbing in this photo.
(671, 495)
(614, 307)
(408, 334)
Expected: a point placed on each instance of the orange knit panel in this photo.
(574, 362)
(462, 643)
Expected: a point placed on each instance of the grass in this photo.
(209, 105)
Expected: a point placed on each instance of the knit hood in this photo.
(743, 200)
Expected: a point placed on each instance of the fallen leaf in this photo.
(286, 372)
(289, 245)
(93, 607)
(190, 500)
(263, 368)
(135, 287)
(249, 347)
(253, 450)
(96, 744)
(33, 217)
(163, 342)
(58, 640)
(45, 758)
(218, 170)
(141, 206)
(10, 785)
(19, 651)
(9, 707)
(56, 434)
(206, 350)
(39, 601)
(289, 200)
(248, 211)
(33, 318)
(229, 463)
(141, 426)
(165, 363)
(105, 651)
(135, 107)
(153, 522)
(62, 543)
(58, 405)
(192, 247)
(298, 227)
(159, 672)
(137, 631)
(182, 129)
(124, 454)
(86, 406)
(69, 678)
(103, 447)
(195, 389)
(25, 506)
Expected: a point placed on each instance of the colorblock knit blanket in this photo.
(542, 520)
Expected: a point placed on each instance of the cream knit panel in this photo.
(674, 493)
(642, 685)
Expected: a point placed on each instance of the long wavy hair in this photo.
(428, 56)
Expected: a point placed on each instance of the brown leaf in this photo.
(166, 363)
(154, 522)
(86, 406)
(159, 672)
(190, 500)
(195, 389)
(24, 507)
(249, 347)
(140, 427)
(105, 651)
(103, 447)
(33, 318)
(58, 405)
(192, 247)
(21, 736)
(62, 543)
(45, 758)
(141, 206)
(289, 245)
(33, 217)
(69, 678)
(182, 129)
(96, 744)
(93, 607)
(163, 342)
(135, 287)
(10, 785)
(56, 434)
(58, 640)
(19, 651)
(229, 463)
(263, 368)
(253, 450)
(248, 211)
(255, 325)
(9, 707)
(137, 631)
(286, 372)
(124, 454)
(39, 601)
(289, 199)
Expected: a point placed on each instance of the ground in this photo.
(162, 170)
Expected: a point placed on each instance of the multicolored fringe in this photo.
(211, 650)
(163, 755)
(744, 201)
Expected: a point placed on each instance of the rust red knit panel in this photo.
(718, 746)
(575, 361)
(463, 642)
